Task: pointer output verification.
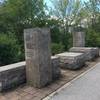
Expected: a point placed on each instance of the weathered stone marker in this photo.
(38, 56)
(78, 39)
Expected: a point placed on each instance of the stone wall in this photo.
(90, 52)
(15, 74)
(12, 75)
(56, 71)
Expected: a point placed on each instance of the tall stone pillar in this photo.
(38, 56)
(79, 39)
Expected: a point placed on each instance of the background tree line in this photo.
(62, 18)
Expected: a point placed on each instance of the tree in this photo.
(93, 31)
(93, 9)
(67, 11)
(15, 16)
(21, 14)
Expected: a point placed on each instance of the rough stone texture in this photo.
(12, 75)
(15, 74)
(90, 53)
(96, 52)
(78, 39)
(37, 50)
(71, 60)
(26, 92)
(55, 67)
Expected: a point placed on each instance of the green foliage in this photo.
(92, 38)
(9, 49)
(55, 35)
(58, 36)
(67, 40)
(17, 15)
(57, 48)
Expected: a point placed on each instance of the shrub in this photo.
(67, 41)
(59, 37)
(55, 35)
(92, 38)
(9, 49)
(57, 48)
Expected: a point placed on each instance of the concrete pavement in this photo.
(85, 87)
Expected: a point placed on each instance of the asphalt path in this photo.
(85, 87)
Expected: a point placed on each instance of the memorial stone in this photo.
(38, 56)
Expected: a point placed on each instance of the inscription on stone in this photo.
(29, 45)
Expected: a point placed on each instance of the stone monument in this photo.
(79, 46)
(78, 39)
(38, 56)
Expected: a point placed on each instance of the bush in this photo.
(67, 41)
(57, 48)
(59, 37)
(9, 49)
(92, 38)
(55, 35)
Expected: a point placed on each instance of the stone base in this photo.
(69, 60)
(90, 53)
(13, 75)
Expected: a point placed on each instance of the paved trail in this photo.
(86, 87)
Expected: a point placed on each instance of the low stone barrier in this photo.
(12, 75)
(55, 67)
(15, 74)
(90, 52)
(71, 60)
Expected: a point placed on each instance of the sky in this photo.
(50, 4)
